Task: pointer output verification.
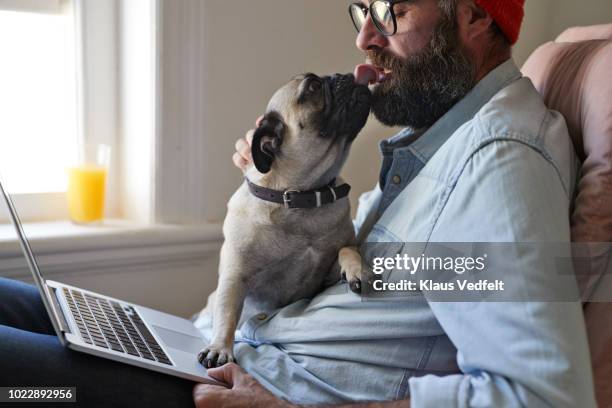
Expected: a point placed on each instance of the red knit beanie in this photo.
(508, 14)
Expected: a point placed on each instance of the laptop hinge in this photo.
(56, 309)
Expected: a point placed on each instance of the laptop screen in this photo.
(25, 245)
(45, 293)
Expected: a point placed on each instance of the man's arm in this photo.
(245, 391)
(529, 351)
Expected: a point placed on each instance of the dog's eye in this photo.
(314, 86)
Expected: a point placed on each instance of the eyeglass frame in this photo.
(389, 4)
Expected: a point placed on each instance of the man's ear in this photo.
(473, 21)
(267, 141)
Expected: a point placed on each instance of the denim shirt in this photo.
(498, 167)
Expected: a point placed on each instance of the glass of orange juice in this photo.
(87, 184)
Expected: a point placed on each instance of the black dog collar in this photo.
(301, 199)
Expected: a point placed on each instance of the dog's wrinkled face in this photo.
(309, 126)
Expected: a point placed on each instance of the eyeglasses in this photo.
(381, 12)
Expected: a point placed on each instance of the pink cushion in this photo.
(597, 316)
(576, 80)
(574, 75)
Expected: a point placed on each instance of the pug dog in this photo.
(288, 230)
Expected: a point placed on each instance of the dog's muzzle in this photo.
(347, 106)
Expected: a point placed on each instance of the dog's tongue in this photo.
(366, 74)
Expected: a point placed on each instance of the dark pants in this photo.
(31, 355)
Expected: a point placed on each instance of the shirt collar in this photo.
(428, 141)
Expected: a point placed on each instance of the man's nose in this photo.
(369, 36)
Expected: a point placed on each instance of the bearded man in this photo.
(481, 159)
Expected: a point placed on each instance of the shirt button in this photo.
(396, 179)
(262, 316)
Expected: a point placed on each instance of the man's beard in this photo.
(423, 87)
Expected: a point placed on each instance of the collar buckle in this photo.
(287, 198)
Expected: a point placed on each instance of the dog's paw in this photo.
(216, 355)
(351, 269)
(356, 283)
(352, 276)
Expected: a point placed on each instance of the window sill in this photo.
(62, 248)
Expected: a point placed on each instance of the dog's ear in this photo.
(267, 141)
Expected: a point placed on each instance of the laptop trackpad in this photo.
(179, 341)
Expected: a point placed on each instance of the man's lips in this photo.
(366, 74)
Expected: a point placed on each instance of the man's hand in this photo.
(242, 158)
(243, 391)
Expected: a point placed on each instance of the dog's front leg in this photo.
(229, 300)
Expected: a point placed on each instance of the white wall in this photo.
(569, 13)
(536, 28)
(546, 19)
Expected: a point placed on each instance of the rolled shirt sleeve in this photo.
(529, 353)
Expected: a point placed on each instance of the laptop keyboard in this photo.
(109, 325)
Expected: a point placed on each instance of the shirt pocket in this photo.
(413, 213)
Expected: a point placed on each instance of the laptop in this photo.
(111, 328)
